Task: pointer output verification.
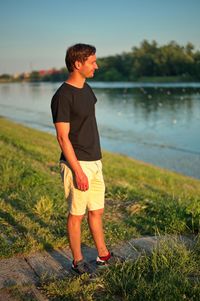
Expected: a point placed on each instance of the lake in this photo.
(155, 123)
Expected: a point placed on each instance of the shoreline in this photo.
(128, 157)
(146, 83)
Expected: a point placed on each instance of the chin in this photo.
(90, 76)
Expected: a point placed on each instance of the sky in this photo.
(34, 34)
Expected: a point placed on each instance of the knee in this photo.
(75, 219)
(95, 213)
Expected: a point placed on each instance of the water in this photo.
(154, 123)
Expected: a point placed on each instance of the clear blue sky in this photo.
(35, 33)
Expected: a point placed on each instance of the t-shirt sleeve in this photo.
(95, 99)
(60, 108)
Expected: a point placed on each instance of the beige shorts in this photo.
(93, 198)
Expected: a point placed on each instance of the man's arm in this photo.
(62, 129)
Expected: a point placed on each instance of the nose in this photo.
(96, 66)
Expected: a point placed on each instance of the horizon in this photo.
(35, 35)
(59, 68)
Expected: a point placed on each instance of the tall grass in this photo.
(170, 273)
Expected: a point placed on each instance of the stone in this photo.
(16, 271)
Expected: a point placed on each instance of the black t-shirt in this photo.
(77, 106)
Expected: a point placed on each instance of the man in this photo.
(73, 111)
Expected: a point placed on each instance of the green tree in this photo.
(35, 76)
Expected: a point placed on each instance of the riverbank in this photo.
(158, 125)
(144, 79)
(140, 200)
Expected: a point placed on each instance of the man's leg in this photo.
(96, 228)
(74, 234)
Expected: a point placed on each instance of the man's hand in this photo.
(82, 181)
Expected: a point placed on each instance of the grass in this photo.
(169, 273)
(140, 200)
(165, 275)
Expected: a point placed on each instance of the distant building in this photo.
(16, 75)
(48, 72)
(26, 75)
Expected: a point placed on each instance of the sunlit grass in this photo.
(140, 199)
(170, 273)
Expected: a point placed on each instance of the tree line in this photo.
(149, 60)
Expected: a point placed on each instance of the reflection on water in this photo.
(155, 124)
(160, 126)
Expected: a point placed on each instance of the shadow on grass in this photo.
(7, 217)
(20, 208)
(23, 231)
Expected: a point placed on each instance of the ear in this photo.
(78, 65)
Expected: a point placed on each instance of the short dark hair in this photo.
(78, 52)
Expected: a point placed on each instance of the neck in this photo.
(76, 80)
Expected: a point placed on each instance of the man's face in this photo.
(88, 68)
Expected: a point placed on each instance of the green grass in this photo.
(168, 274)
(171, 273)
(140, 199)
